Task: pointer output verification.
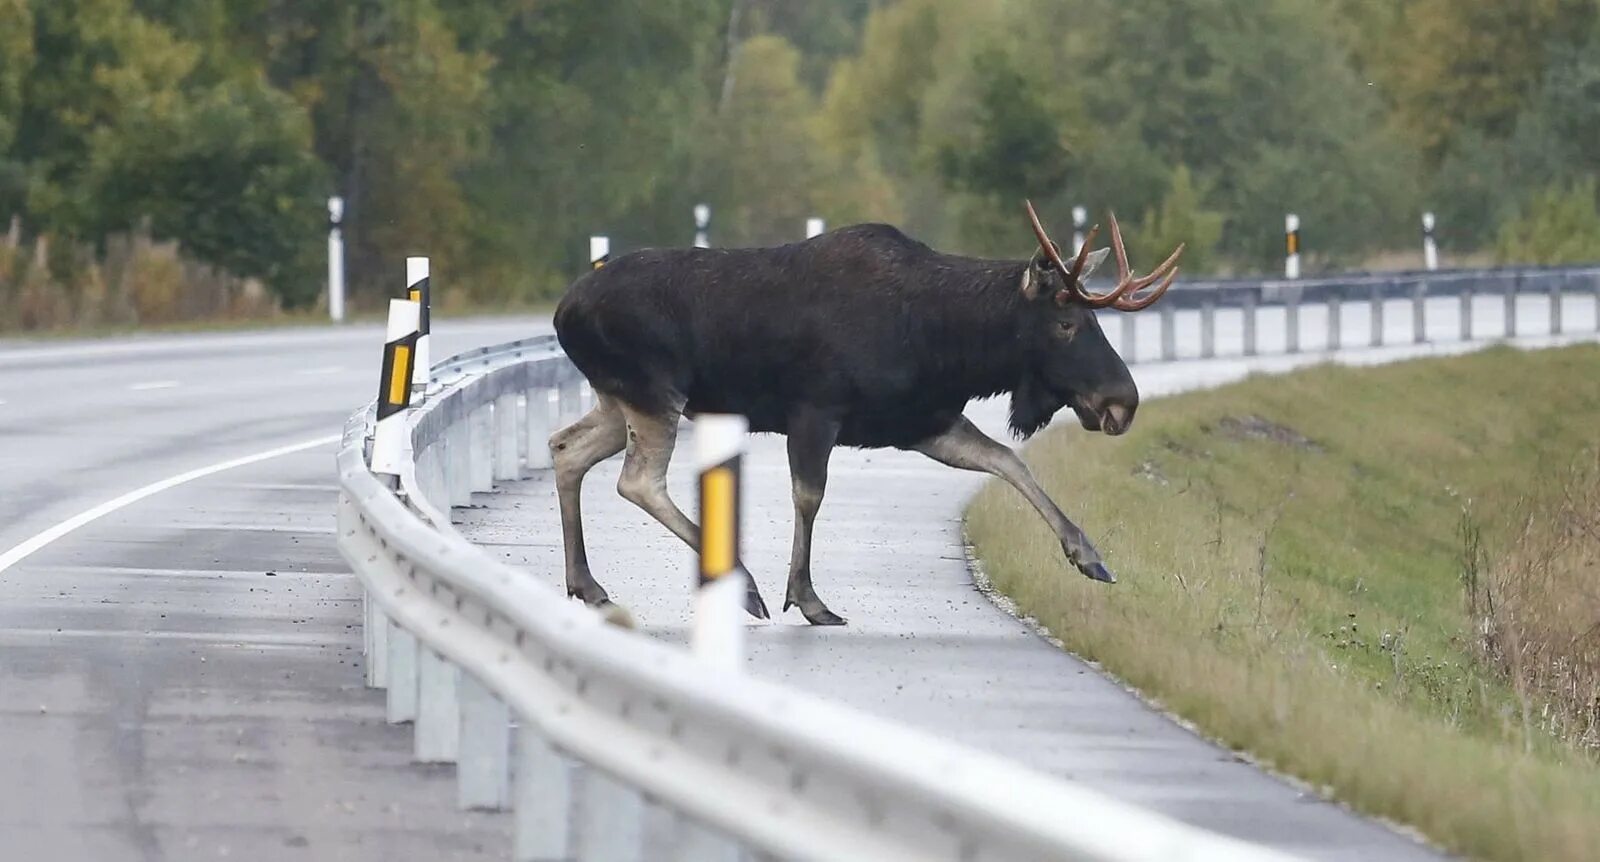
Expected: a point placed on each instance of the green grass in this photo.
(1299, 595)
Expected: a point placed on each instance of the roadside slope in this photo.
(1290, 558)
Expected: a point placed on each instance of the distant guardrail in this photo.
(1251, 317)
(580, 728)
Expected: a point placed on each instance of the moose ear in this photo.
(1033, 278)
(1093, 261)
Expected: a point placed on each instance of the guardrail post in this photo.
(718, 635)
(483, 775)
(1291, 320)
(1419, 312)
(1555, 302)
(458, 448)
(1375, 338)
(402, 703)
(1335, 317)
(438, 726)
(697, 843)
(1594, 288)
(541, 405)
(480, 453)
(507, 457)
(391, 444)
(571, 401)
(1169, 334)
(610, 817)
(1513, 287)
(1130, 339)
(1249, 308)
(375, 638)
(543, 797)
(1208, 328)
(419, 291)
(1466, 312)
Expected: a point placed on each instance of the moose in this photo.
(859, 337)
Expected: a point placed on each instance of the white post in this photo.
(1291, 233)
(718, 636)
(391, 445)
(1080, 218)
(599, 251)
(1430, 249)
(814, 227)
(702, 223)
(336, 259)
(419, 290)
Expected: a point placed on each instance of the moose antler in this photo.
(1121, 296)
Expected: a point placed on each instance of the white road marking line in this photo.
(326, 369)
(153, 384)
(29, 546)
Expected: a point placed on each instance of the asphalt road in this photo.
(179, 677)
(162, 697)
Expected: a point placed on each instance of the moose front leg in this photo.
(811, 440)
(967, 448)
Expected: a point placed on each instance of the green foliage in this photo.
(1560, 225)
(1181, 218)
(496, 136)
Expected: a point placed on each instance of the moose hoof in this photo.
(615, 614)
(1097, 571)
(822, 617)
(815, 612)
(754, 605)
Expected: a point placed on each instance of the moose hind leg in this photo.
(810, 443)
(651, 439)
(965, 447)
(574, 450)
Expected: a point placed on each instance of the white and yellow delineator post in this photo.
(420, 290)
(1291, 241)
(718, 636)
(391, 445)
(815, 227)
(599, 251)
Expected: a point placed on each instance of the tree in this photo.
(1559, 225)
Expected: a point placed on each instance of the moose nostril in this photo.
(1117, 418)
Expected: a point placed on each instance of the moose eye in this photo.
(1066, 328)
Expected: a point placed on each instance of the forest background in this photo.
(170, 159)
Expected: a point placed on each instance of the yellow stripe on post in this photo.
(399, 376)
(1294, 243)
(415, 295)
(717, 522)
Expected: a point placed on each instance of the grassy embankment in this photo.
(1384, 581)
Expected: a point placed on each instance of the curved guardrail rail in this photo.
(576, 724)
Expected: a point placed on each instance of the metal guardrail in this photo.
(1359, 310)
(588, 732)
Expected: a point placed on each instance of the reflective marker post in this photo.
(336, 259)
(814, 227)
(1080, 217)
(391, 445)
(599, 251)
(718, 635)
(1430, 248)
(702, 224)
(1291, 233)
(418, 290)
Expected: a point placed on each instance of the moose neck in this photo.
(975, 333)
